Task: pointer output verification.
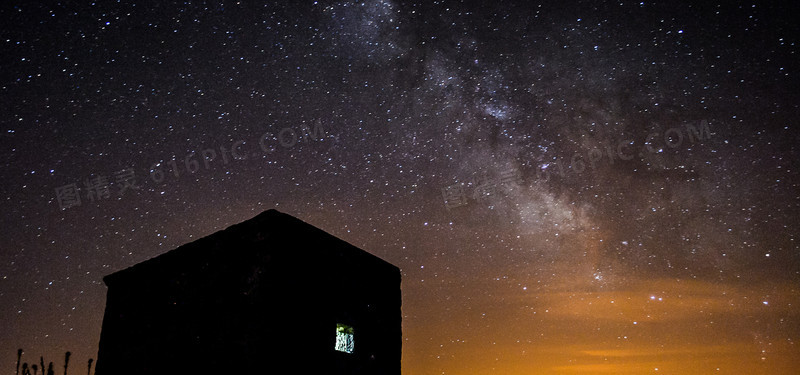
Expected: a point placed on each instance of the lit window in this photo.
(344, 338)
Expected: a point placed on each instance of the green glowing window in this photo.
(344, 338)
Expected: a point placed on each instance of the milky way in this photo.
(571, 187)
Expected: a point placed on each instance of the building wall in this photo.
(263, 306)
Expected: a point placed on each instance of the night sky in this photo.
(568, 187)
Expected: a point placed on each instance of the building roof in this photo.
(268, 226)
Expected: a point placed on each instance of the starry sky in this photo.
(572, 187)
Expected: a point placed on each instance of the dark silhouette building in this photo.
(270, 295)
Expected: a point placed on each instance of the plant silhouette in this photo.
(66, 361)
(19, 357)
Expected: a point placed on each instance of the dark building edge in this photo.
(270, 223)
(267, 219)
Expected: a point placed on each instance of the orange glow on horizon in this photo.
(695, 328)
